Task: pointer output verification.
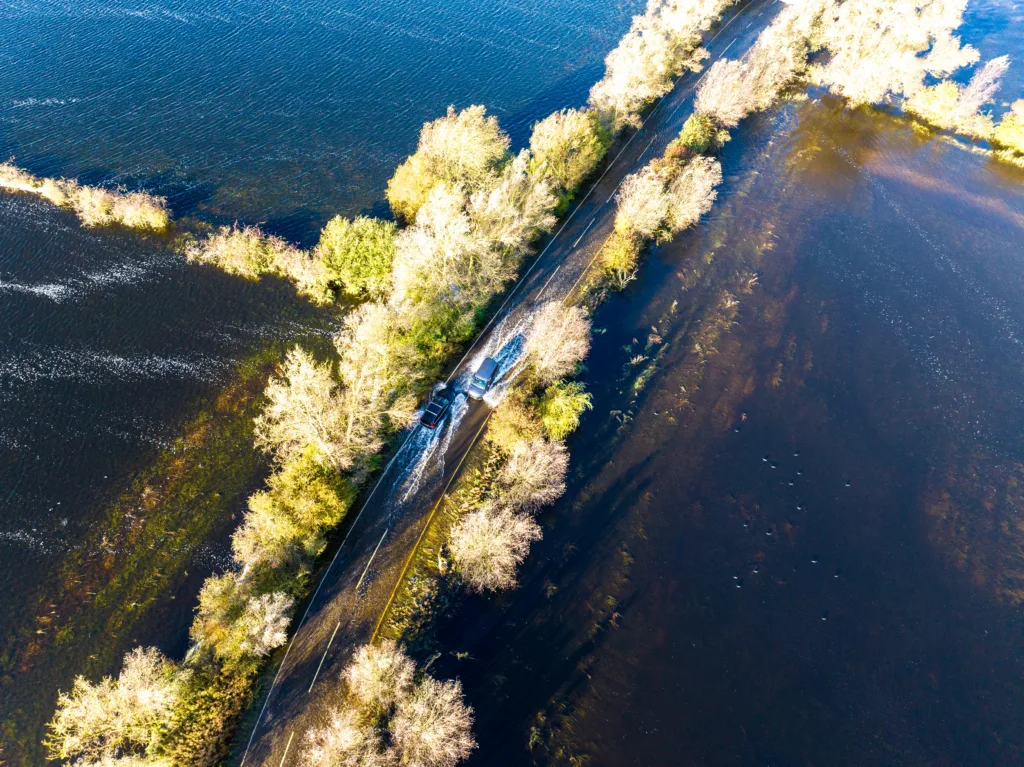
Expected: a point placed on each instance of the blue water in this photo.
(283, 114)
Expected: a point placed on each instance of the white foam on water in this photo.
(55, 292)
(53, 364)
(435, 442)
(24, 538)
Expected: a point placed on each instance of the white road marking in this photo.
(287, 746)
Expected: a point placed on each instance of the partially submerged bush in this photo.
(1009, 134)
(489, 544)
(359, 254)
(561, 406)
(619, 257)
(345, 741)
(116, 718)
(94, 206)
(567, 146)
(952, 107)
(699, 133)
(245, 251)
(558, 340)
(464, 147)
(533, 476)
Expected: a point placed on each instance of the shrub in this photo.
(692, 192)
(558, 340)
(533, 476)
(245, 251)
(285, 524)
(433, 728)
(463, 147)
(359, 254)
(560, 408)
(699, 133)
(379, 676)
(567, 146)
(512, 422)
(489, 544)
(642, 203)
(1010, 131)
(619, 256)
(725, 96)
(116, 718)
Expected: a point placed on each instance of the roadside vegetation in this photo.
(93, 205)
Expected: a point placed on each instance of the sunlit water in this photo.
(280, 114)
(794, 529)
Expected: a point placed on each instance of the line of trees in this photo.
(471, 211)
(93, 205)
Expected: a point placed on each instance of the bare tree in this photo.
(433, 727)
(947, 105)
(533, 476)
(345, 741)
(489, 544)
(558, 340)
(380, 676)
(642, 203)
(303, 409)
(116, 718)
(693, 192)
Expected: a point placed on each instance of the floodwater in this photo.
(794, 532)
(127, 377)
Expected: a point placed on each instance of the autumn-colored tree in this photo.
(462, 148)
(567, 146)
(359, 254)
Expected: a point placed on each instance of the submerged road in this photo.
(368, 564)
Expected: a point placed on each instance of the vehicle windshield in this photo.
(480, 381)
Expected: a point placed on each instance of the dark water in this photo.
(111, 347)
(795, 533)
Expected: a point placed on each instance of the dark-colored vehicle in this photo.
(435, 411)
(482, 378)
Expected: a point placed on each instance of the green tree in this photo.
(561, 406)
(567, 146)
(286, 523)
(358, 254)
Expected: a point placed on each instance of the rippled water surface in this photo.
(119, 364)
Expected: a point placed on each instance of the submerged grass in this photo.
(139, 551)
